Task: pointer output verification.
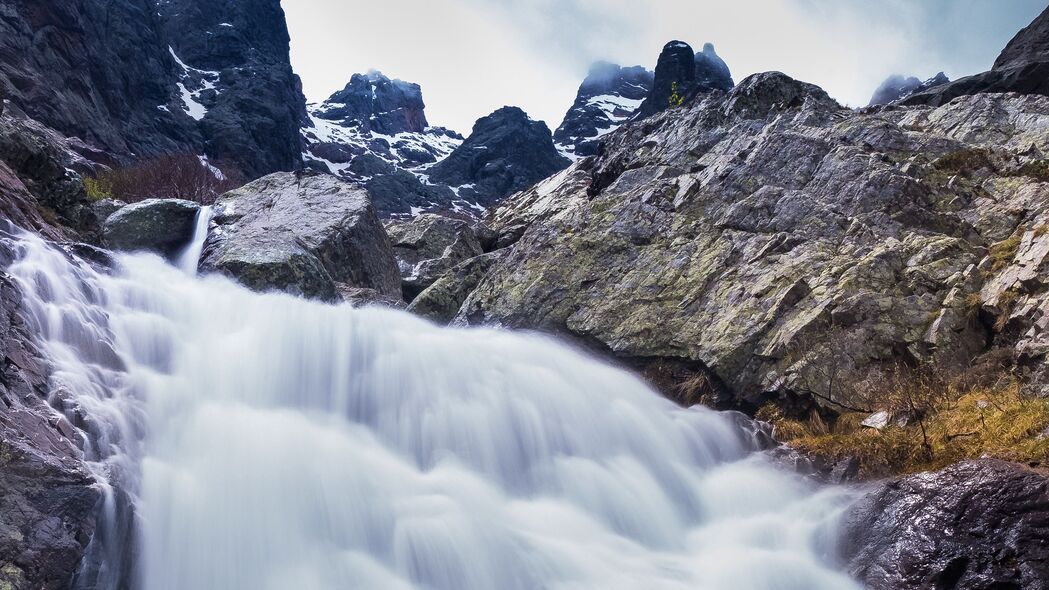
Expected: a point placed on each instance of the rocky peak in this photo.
(608, 96)
(374, 102)
(681, 74)
(506, 152)
(897, 87)
(1030, 45)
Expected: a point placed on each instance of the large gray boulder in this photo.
(429, 245)
(442, 299)
(768, 237)
(302, 233)
(973, 526)
(164, 226)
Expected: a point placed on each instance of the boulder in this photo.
(428, 246)
(163, 226)
(972, 526)
(303, 233)
(442, 299)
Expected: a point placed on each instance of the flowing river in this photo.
(259, 441)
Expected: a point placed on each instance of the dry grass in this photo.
(998, 421)
(1037, 169)
(1003, 253)
(965, 162)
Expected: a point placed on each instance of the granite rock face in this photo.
(134, 78)
(307, 234)
(48, 498)
(973, 526)
(428, 246)
(1023, 66)
(163, 226)
(506, 152)
(755, 236)
(897, 87)
(607, 98)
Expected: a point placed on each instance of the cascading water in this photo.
(271, 442)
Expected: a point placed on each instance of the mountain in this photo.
(137, 78)
(897, 87)
(506, 152)
(682, 74)
(1022, 66)
(608, 97)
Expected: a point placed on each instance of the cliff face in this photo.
(135, 78)
(757, 237)
(607, 98)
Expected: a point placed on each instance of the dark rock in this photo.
(302, 233)
(48, 499)
(897, 87)
(1023, 66)
(107, 73)
(441, 300)
(428, 246)
(682, 74)
(163, 226)
(608, 97)
(377, 103)
(973, 526)
(506, 152)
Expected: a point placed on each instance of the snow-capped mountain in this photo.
(607, 98)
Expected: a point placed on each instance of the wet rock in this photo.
(48, 499)
(442, 299)
(429, 245)
(972, 526)
(302, 233)
(163, 226)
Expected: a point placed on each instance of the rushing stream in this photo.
(267, 442)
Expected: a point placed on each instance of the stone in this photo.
(302, 233)
(975, 525)
(441, 301)
(877, 421)
(682, 74)
(429, 245)
(163, 226)
(609, 96)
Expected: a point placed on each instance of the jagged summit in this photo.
(681, 74)
(377, 103)
(608, 97)
(897, 87)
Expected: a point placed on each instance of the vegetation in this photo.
(965, 162)
(675, 99)
(933, 422)
(1003, 253)
(177, 176)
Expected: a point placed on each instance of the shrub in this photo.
(965, 162)
(1002, 253)
(675, 99)
(175, 176)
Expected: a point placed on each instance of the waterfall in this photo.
(189, 259)
(268, 442)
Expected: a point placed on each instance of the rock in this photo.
(505, 153)
(682, 74)
(897, 87)
(48, 498)
(1023, 66)
(607, 98)
(104, 208)
(442, 299)
(975, 525)
(765, 234)
(877, 421)
(428, 246)
(302, 233)
(163, 226)
(245, 102)
(376, 102)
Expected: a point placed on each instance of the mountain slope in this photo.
(608, 97)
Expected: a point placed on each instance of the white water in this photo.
(276, 443)
(189, 259)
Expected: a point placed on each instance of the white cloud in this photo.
(473, 56)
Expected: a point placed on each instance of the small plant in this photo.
(675, 99)
(1003, 253)
(98, 189)
(965, 162)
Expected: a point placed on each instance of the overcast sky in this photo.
(474, 56)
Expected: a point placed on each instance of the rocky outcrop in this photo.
(163, 226)
(134, 78)
(428, 246)
(760, 236)
(506, 152)
(607, 98)
(681, 75)
(973, 526)
(48, 499)
(308, 234)
(1023, 66)
(375, 132)
(441, 300)
(897, 87)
